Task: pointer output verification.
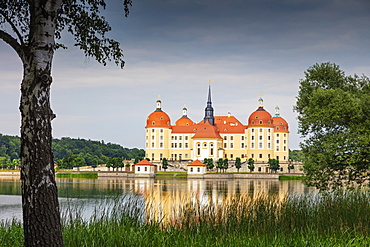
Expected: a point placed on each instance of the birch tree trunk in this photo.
(41, 214)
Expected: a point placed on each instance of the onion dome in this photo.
(158, 118)
(260, 117)
(280, 124)
(184, 120)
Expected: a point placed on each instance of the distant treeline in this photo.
(91, 152)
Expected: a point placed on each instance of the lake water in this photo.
(85, 195)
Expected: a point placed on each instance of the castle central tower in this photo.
(209, 109)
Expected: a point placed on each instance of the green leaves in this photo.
(334, 118)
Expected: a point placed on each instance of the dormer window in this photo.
(153, 123)
(260, 121)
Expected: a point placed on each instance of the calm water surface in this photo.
(85, 195)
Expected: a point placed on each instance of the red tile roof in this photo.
(206, 131)
(144, 162)
(197, 163)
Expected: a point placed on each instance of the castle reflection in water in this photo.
(165, 197)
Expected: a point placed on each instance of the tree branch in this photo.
(12, 42)
(15, 29)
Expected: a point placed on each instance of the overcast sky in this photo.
(173, 47)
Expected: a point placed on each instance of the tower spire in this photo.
(209, 109)
(159, 104)
(277, 110)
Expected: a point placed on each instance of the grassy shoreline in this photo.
(92, 175)
(324, 219)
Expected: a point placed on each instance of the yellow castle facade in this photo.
(263, 137)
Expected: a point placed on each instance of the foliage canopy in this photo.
(333, 113)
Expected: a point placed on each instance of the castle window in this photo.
(138, 168)
(180, 145)
(260, 137)
(252, 137)
(269, 122)
(231, 156)
(225, 130)
(153, 130)
(284, 127)
(261, 122)
(204, 145)
(260, 156)
(161, 130)
(268, 145)
(145, 168)
(186, 138)
(225, 138)
(256, 117)
(186, 155)
(161, 145)
(225, 145)
(268, 156)
(161, 137)
(252, 155)
(260, 145)
(284, 135)
(277, 148)
(161, 118)
(242, 145)
(281, 123)
(198, 169)
(252, 122)
(231, 145)
(186, 145)
(277, 135)
(252, 145)
(242, 155)
(180, 138)
(231, 138)
(269, 130)
(260, 130)
(268, 137)
(191, 169)
(152, 144)
(153, 123)
(172, 145)
(242, 138)
(175, 138)
(284, 148)
(277, 141)
(277, 127)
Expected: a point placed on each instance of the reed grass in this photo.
(324, 219)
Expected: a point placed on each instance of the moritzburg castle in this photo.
(263, 137)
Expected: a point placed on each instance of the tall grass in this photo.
(336, 219)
